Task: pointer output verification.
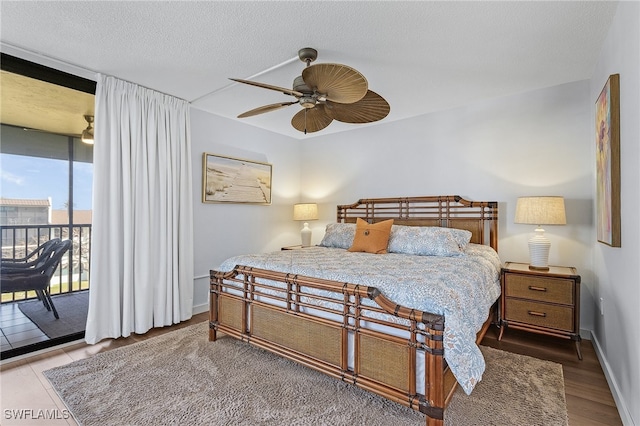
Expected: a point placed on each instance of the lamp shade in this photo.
(305, 211)
(540, 211)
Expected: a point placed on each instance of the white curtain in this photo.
(141, 253)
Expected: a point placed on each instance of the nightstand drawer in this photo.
(545, 289)
(540, 314)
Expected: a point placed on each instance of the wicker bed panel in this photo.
(384, 361)
(321, 341)
(230, 312)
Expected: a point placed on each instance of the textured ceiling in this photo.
(420, 56)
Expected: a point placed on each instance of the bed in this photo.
(339, 312)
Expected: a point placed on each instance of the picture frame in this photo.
(235, 180)
(607, 127)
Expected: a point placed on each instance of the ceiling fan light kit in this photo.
(326, 92)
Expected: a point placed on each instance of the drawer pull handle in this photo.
(534, 288)
(537, 314)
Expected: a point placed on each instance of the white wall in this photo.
(225, 230)
(617, 270)
(536, 143)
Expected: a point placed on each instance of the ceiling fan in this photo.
(86, 136)
(326, 92)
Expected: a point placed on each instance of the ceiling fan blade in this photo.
(270, 87)
(371, 108)
(316, 119)
(266, 108)
(339, 83)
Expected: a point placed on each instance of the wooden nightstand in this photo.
(545, 302)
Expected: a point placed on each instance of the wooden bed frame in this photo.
(243, 305)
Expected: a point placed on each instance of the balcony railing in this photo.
(73, 272)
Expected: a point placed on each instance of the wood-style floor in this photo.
(25, 391)
(589, 400)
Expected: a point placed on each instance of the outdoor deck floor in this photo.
(17, 330)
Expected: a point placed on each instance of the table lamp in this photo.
(305, 211)
(540, 211)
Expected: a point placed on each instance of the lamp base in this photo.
(539, 246)
(305, 235)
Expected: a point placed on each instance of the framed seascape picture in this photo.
(234, 180)
(608, 163)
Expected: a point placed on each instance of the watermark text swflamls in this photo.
(38, 414)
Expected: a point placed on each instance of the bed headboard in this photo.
(451, 211)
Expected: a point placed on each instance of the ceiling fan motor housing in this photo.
(308, 100)
(300, 86)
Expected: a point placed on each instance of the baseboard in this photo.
(198, 309)
(585, 334)
(625, 416)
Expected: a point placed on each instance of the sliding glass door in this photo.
(45, 193)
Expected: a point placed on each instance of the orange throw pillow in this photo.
(371, 238)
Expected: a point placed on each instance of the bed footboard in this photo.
(343, 331)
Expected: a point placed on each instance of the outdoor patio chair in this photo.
(35, 258)
(37, 255)
(36, 277)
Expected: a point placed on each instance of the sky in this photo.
(39, 178)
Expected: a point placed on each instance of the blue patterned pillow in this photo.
(428, 240)
(339, 235)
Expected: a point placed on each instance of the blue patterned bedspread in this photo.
(463, 288)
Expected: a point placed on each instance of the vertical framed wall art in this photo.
(234, 180)
(608, 163)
